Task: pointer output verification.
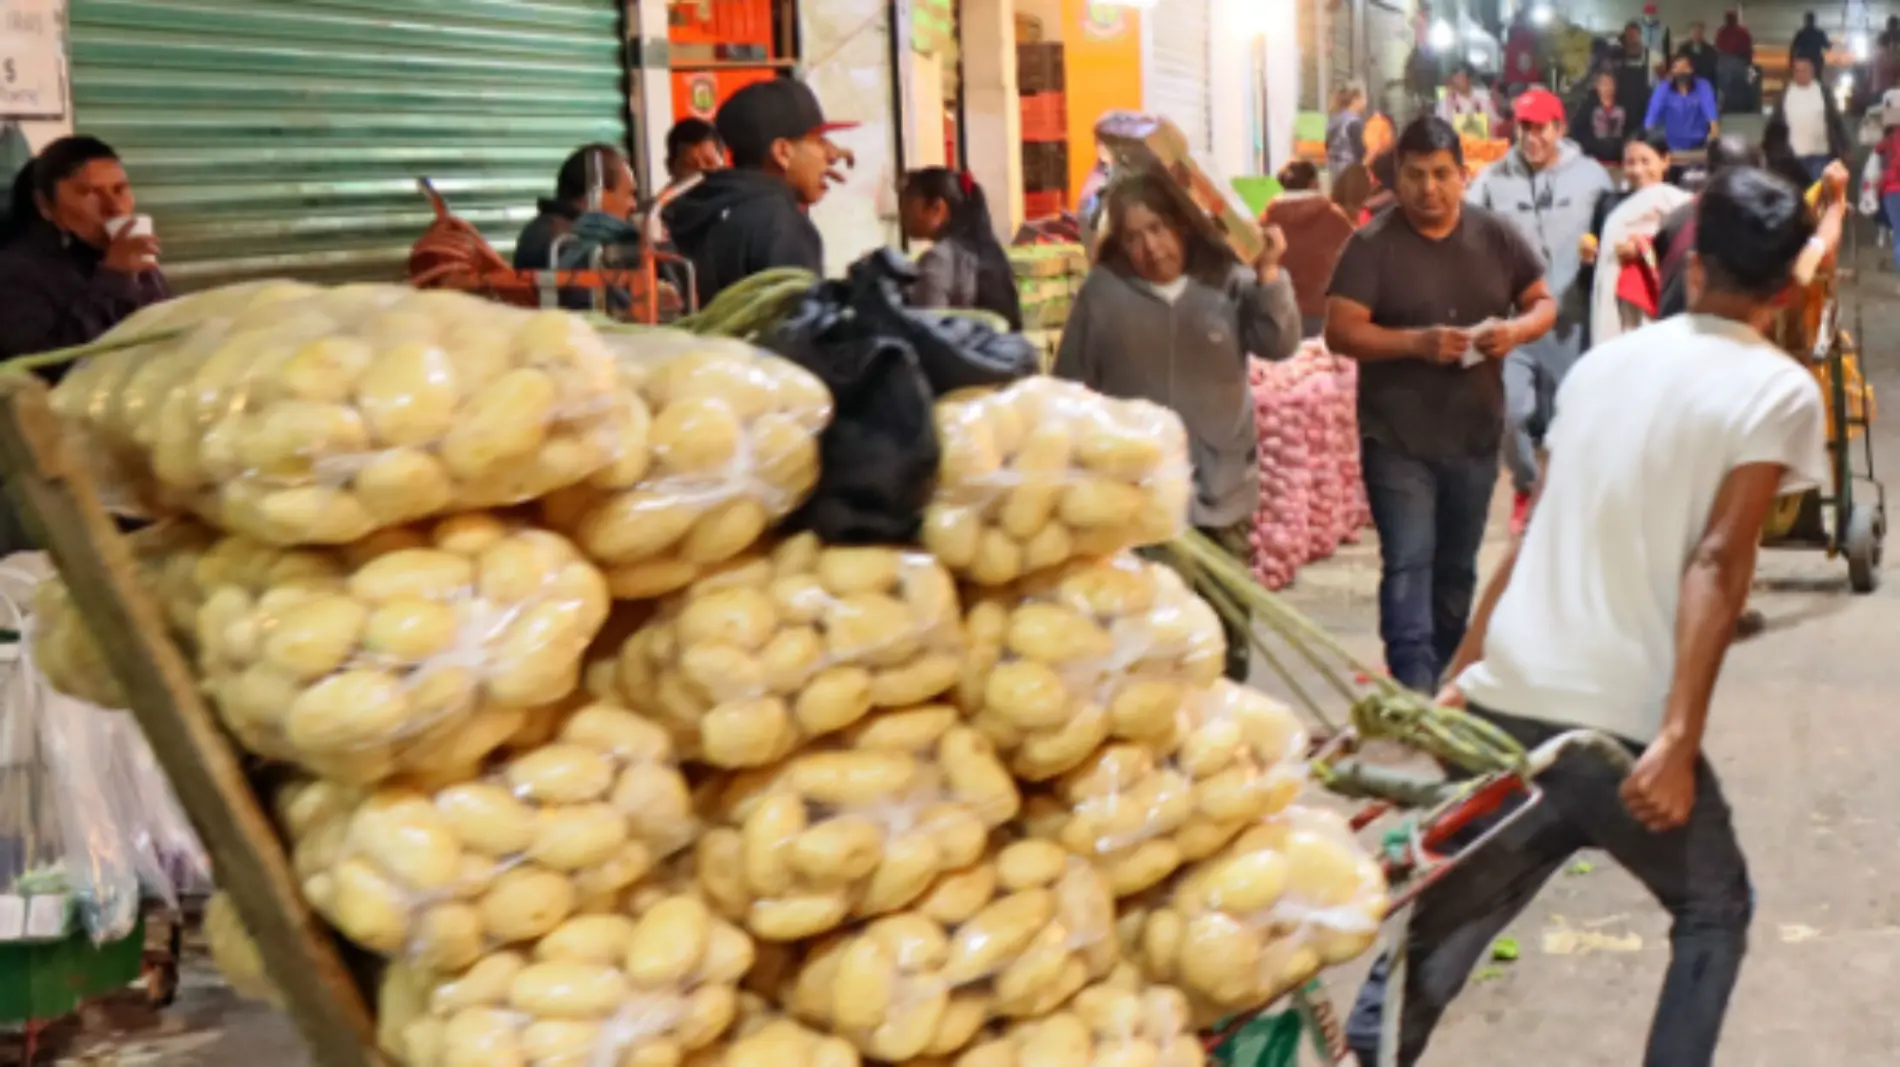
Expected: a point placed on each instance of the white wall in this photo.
(846, 51)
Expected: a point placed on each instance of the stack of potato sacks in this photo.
(612, 773)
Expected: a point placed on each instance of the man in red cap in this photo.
(1549, 188)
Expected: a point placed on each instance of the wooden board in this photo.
(59, 505)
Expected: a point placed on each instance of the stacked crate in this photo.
(1040, 75)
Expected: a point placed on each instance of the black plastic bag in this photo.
(885, 365)
(878, 457)
(955, 352)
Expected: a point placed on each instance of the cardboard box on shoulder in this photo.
(1153, 145)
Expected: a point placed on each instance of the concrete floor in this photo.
(1806, 719)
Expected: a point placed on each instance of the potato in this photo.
(419, 650)
(723, 443)
(235, 954)
(853, 826)
(300, 415)
(1119, 1022)
(1062, 662)
(1236, 930)
(530, 853)
(1012, 937)
(772, 1041)
(1045, 471)
(781, 646)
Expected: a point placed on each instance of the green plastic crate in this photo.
(40, 981)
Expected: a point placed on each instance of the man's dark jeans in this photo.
(1695, 871)
(1430, 515)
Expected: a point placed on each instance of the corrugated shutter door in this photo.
(284, 137)
(1175, 83)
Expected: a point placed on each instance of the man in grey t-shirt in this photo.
(1429, 298)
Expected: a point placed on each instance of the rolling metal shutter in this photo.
(284, 137)
(1175, 83)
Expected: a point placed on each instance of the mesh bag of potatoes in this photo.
(1119, 1022)
(1045, 471)
(1289, 897)
(1141, 810)
(1063, 661)
(418, 650)
(751, 662)
(1012, 937)
(723, 443)
(440, 877)
(165, 560)
(318, 416)
(643, 986)
(854, 826)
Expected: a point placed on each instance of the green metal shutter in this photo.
(283, 137)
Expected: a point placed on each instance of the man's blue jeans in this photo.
(1890, 203)
(1696, 871)
(1430, 514)
(1815, 166)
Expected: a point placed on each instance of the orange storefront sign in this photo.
(1102, 54)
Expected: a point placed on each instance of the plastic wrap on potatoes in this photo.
(1140, 810)
(1045, 471)
(762, 1037)
(1064, 661)
(759, 658)
(644, 986)
(853, 827)
(1012, 937)
(724, 443)
(1262, 917)
(439, 877)
(420, 650)
(318, 416)
(1120, 1022)
(165, 560)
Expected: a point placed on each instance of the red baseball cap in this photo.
(1538, 105)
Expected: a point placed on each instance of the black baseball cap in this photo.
(783, 109)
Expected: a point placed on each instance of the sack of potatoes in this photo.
(235, 954)
(1141, 810)
(723, 443)
(1012, 937)
(1289, 897)
(645, 984)
(417, 651)
(853, 826)
(165, 561)
(1063, 661)
(1045, 471)
(300, 415)
(757, 659)
(439, 877)
(1118, 1022)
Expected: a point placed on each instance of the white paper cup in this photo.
(129, 226)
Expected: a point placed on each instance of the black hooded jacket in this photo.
(739, 222)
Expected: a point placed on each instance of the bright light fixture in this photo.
(1442, 36)
(1542, 14)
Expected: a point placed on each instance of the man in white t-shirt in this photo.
(1816, 133)
(1613, 612)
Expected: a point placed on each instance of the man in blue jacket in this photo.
(1549, 188)
(1684, 108)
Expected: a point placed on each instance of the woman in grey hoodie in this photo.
(1167, 316)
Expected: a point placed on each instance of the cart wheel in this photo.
(1862, 545)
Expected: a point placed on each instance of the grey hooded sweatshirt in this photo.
(1553, 209)
(1128, 340)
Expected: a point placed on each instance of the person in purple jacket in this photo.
(64, 279)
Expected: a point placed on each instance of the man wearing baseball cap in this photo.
(1549, 188)
(752, 216)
